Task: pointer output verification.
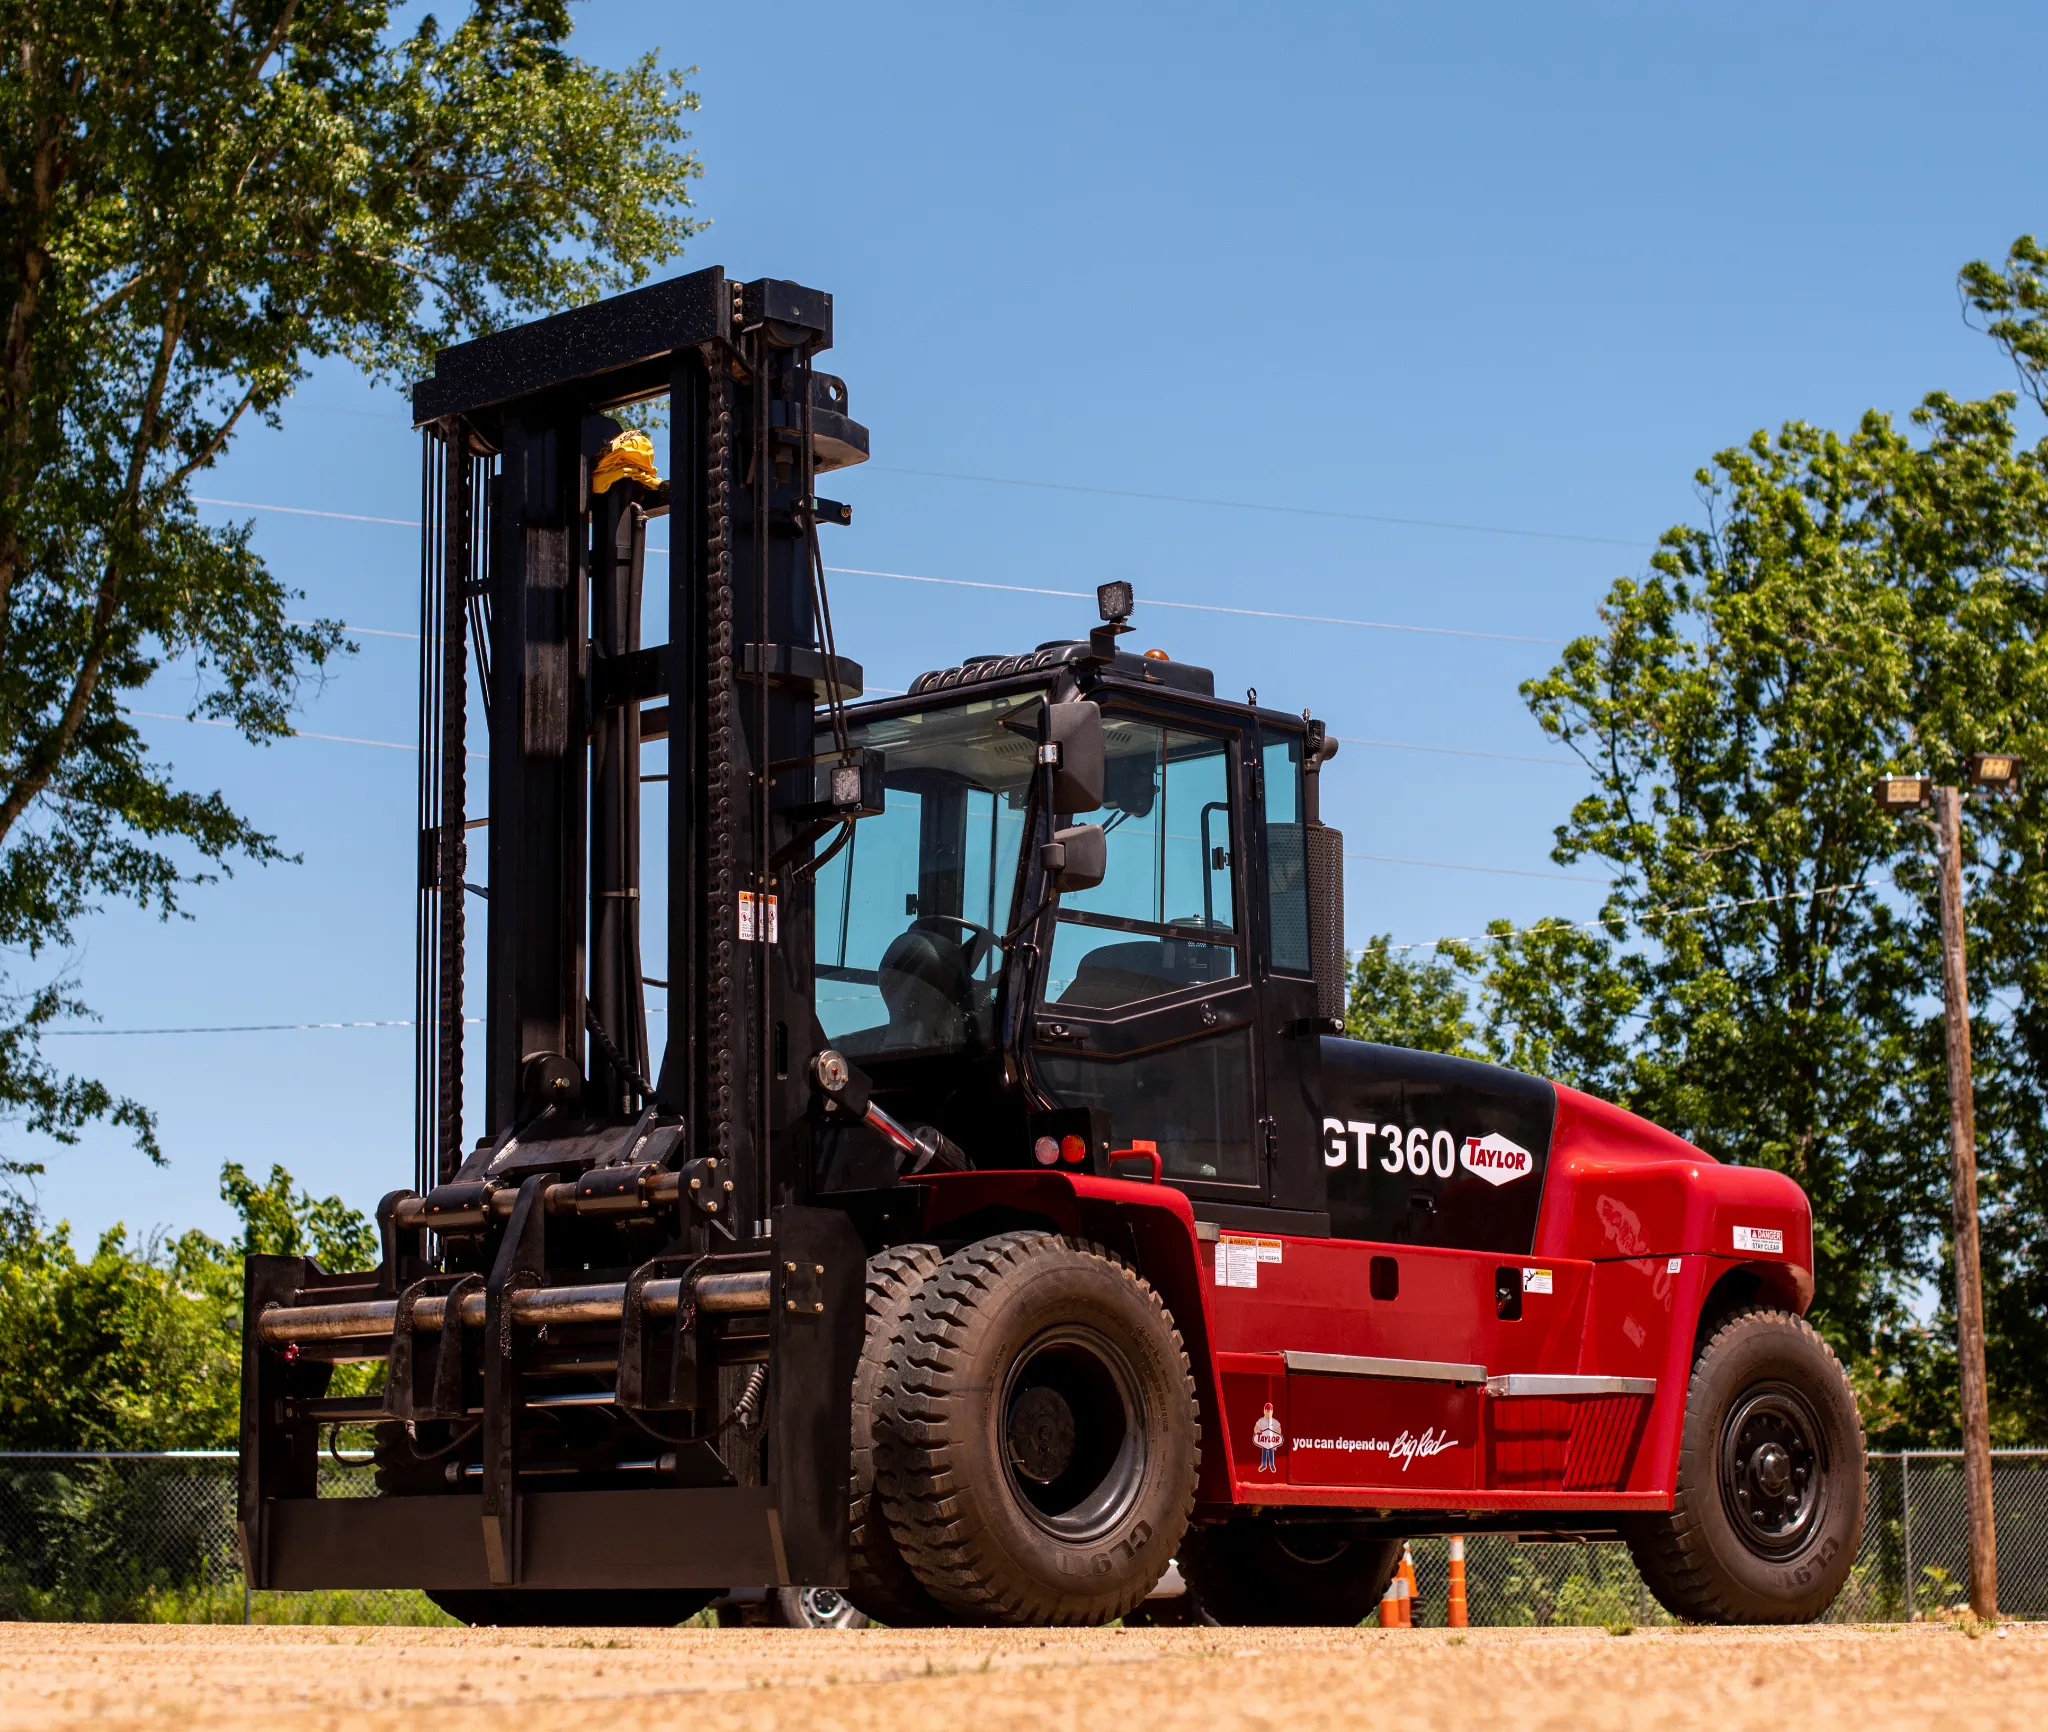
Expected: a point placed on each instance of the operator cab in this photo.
(1175, 1001)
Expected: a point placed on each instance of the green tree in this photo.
(131, 1347)
(280, 1220)
(1764, 977)
(196, 203)
(1399, 999)
(138, 1346)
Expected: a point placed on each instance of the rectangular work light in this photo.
(1900, 793)
(1995, 772)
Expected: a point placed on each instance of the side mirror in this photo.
(1073, 735)
(1077, 858)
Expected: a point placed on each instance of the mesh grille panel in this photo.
(1326, 917)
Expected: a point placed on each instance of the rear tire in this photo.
(815, 1609)
(792, 1609)
(1259, 1571)
(571, 1608)
(879, 1582)
(1768, 1512)
(1042, 1437)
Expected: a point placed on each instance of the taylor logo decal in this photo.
(1495, 1159)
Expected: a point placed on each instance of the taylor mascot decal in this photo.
(1266, 1435)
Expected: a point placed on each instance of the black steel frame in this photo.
(594, 1156)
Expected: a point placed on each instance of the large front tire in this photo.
(879, 1583)
(1042, 1434)
(1768, 1512)
(1259, 1571)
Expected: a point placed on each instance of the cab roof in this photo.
(1149, 670)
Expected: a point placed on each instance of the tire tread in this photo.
(1672, 1553)
(880, 1581)
(914, 1471)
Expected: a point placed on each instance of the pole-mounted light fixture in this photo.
(1986, 773)
(1994, 772)
(1901, 793)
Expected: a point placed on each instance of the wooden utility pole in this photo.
(1962, 1143)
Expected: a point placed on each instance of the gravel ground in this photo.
(54, 1675)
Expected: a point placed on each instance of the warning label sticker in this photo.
(1238, 1259)
(1536, 1281)
(1768, 1239)
(749, 930)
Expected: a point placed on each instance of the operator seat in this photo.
(1113, 975)
(927, 984)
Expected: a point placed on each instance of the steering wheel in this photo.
(980, 940)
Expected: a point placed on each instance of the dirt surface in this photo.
(55, 1675)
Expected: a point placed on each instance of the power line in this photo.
(296, 733)
(1347, 739)
(1716, 907)
(1665, 913)
(1204, 607)
(1260, 505)
(1006, 588)
(1458, 866)
(1210, 501)
(306, 511)
(265, 1027)
(367, 631)
(231, 1028)
(1458, 751)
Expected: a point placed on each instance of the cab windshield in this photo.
(912, 910)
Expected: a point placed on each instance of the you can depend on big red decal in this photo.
(1495, 1159)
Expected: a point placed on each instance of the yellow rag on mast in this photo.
(629, 457)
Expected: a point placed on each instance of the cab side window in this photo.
(1163, 921)
(1164, 917)
(1286, 858)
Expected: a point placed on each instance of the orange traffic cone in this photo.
(1393, 1601)
(1454, 1601)
(1405, 1575)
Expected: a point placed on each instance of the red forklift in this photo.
(986, 1213)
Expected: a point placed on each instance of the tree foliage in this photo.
(1764, 974)
(1399, 1000)
(196, 203)
(138, 1345)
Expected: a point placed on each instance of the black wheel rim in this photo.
(1072, 1433)
(1773, 1469)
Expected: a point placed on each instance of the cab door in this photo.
(1145, 1000)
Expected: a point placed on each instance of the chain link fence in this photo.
(150, 1538)
(112, 1537)
(1914, 1561)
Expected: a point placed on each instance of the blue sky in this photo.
(1390, 269)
